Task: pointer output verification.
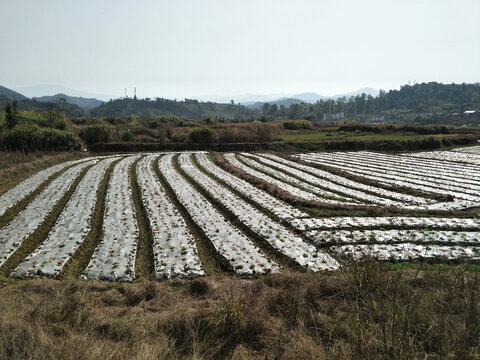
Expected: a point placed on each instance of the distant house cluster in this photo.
(377, 118)
(467, 113)
(336, 116)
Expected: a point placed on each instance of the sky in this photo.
(199, 48)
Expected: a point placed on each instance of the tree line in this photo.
(426, 99)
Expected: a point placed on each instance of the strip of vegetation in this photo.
(429, 143)
(212, 262)
(264, 245)
(41, 232)
(472, 267)
(144, 260)
(80, 259)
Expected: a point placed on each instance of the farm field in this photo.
(188, 214)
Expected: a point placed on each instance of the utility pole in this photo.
(135, 93)
(126, 96)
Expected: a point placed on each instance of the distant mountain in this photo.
(244, 99)
(51, 89)
(367, 91)
(283, 101)
(85, 103)
(309, 97)
(10, 94)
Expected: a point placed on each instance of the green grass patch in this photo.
(177, 285)
(350, 135)
(467, 267)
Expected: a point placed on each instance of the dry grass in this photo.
(362, 312)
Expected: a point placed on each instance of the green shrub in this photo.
(93, 134)
(209, 120)
(183, 123)
(202, 136)
(178, 137)
(127, 136)
(29, 137)
(167, 119)
(297, 124)
(60, 124)
(11, 115)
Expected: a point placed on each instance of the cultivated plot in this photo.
(239, 213)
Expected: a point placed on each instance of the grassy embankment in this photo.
(366, 311)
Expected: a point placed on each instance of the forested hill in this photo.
(431, 94)
(421, 103)
(10, 94)
(70, 110)
(190, 109)
(84, 103)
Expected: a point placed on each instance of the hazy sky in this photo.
(182, 48)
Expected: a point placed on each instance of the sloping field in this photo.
(191, 214)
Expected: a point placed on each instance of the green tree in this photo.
(11, 117)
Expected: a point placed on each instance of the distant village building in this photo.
(377, 118)
(470, 112)
(337, 116)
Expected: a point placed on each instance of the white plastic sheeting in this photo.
(27, 186)
(27, 221)
(174, 248)
(114, 257)
(70, 229)
(275, 234)
(229, 242)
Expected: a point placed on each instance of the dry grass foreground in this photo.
(362, 312)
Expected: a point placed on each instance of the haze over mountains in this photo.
(426, 102)
(310, 98)
(53, 92)
(252, 100)
(54, 89)
(84, 103)
(10, 94)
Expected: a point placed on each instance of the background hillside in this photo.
(10, 94)
(426, 103)
(190, 109)
(84, 103)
